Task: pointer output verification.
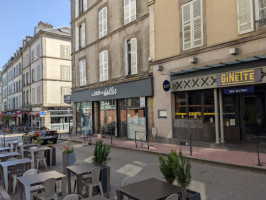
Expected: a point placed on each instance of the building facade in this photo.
(37, 78)
(112, 81)
(213, 55)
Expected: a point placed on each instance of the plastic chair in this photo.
(173, 197)
(73, 197)
(94, 181)
(85, 177)
(49, 190)
(41, 158)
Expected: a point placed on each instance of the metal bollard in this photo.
(258, 152)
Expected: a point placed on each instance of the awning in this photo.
(19, 113)
(34, 113)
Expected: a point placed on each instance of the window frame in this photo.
(103, 22)
(104, 64)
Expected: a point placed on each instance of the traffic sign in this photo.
(42, 114)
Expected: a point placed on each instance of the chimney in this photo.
(42, 26)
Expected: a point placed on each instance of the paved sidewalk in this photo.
(230, 157)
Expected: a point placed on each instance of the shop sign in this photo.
(67, 99)
(239, 77)
(239, 90)
(166, 85)
(142, 101)
(105, 92)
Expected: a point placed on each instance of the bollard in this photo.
(190, 144)
(258, 153)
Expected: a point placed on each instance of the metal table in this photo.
(4, 168)
(80, 170)
(5, 149)
(25, 147)
(150, 189)
(12, 143)
(5, 156)
(25, 182)
(32, 151)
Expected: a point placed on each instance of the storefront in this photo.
(224, 106)
(120, 109)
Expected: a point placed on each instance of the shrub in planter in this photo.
(101, 153)
(166, 166)
(68, 157)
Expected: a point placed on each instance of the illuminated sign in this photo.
(239, 77)
(166, 85)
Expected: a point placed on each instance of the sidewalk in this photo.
(229, 157)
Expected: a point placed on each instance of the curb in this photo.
(198, 160)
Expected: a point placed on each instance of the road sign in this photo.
(42, 114)
(67, 99)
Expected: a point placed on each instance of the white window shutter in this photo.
(85, 5)
(105, 72)
(132, 10)
(126, 58)
(186, 26)
(81, 78)
(83, 34)
(76, 8)
(77, 38)
(101, 66)
(245, 16)
(197, 23)
(134, 69)
(100, 23)
(84, 73)
(126, 12)
(104, 21)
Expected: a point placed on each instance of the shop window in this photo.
(209, 113)
(229, 110)
(194, 105)
(84, 118)
(108, 116)
(181, 105)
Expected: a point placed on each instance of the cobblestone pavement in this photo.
(212, 181)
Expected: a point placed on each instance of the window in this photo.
(77, 39)
(82, 35)
(103, 62)
(65, 73)
(38, 53)
(129, 11)
(27, 78)
(32, 75)
(27, 98)
(82, 72)
(65, 52)
(131, 56)
(38, 73)
(103, 22)
(65, 91)
(84, 5)
(27, 60)
(76, 8)
(33, 96)
(38, 95)
(192, 26)
(80, 7)
(32, 55)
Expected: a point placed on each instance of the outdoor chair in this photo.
(48, 192)
(15, 172)
(73, 197)
(173, 197)
(94, 181)
(85, 177)
(41, 158)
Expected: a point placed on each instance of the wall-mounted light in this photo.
(193, 60)
(234, 51)
(159, 68)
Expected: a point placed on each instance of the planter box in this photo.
(68, 160)
(192, 195)
(47, 155)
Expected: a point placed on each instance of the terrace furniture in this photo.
(49, 190)
(5, 166)
(98, 197)
(73, 197)
(94, 181)
(32, 151)
(85, 176)
(41, 158)
(26, 182)
(23, 147)
(6, 149)
(149, 189)
(12, 144)
(6, 156)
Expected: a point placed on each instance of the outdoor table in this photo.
(6, 156)
(97, 197)
(5, 149)
(25, 182)
(149, 189)
(4, 168)
(79, 171)
(24, 147)
(12, 143)
(32, 151)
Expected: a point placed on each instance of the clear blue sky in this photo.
(19, 17)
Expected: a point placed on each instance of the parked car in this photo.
(45, 135)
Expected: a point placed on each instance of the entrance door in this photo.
(254, 115)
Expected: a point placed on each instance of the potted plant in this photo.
(6, 119)
(181, 168)
(50, 145)
(100, 158)
(166, 166)
(38, 141)
(26, 139)
(68, 157)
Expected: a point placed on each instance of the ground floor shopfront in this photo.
(120, 110)
(226, 104)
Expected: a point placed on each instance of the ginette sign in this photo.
(105, 92)
(166, 85)
(239, 77)
(239, 90)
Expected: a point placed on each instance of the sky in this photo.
(19, 17)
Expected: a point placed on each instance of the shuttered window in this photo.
(38, 73)
(85, 5)
(38, 51)
(245, 16)
(103, 62)
(65, 73)
(192, 24)
(83, 35)
(129, 11)
(103, 22)
(33, 96)
(76, 8)
(38, 95)
(65, 52)
(77, 39)
(131, 56)
(82, 72)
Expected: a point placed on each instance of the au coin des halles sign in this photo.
(239, 77)
(110, 91)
